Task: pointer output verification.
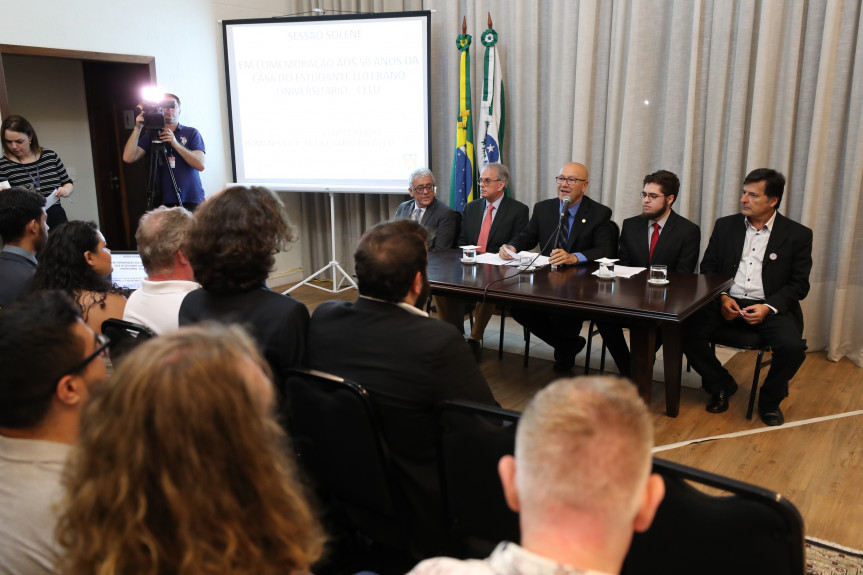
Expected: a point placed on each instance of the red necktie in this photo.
(653, 239)
(482, 242)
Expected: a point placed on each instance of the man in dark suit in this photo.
(488, 222)
(441, 222)
(576, 234)
(657, 236)
(408, 361)
(770, 258)
(23, 229)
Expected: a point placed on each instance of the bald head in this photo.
(575, 182)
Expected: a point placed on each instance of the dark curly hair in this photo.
(235, 237)
(62, 264)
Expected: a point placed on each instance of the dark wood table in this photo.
(643, 306)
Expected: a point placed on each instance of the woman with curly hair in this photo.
(232, 247)
(180, 468)
(76, 260)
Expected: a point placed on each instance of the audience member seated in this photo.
(580, 481)
(408, 361)
(441, 222)
(181, 467)
(231, 246)
(76, 260)
(49, 363)
(160, 237)
(23, 230)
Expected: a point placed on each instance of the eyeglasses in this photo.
(424, 189)
(571, 181)
(653, 197)
(486, 181)
(102, 343)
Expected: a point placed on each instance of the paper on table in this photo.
(540, 261)
(624, 271)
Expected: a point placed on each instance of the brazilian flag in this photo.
(463, 179)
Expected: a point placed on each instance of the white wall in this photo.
(185, 39)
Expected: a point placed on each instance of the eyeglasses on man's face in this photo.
(653, 197)
(486, 181)
(102, 343)
(570, 180)
(424, 189)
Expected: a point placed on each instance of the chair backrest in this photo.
(745, 530)
(125, 336)
(337, 434)
(472, 437)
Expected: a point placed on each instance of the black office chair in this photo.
(336, 432)
(747, 530)
(472, 437)
(125, 336)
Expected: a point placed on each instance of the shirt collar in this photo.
(404, 305)
(661, 221)
(572, 207)
(21, 252)
(768, 226)
(495, 203)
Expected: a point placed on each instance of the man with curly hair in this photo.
(232, 246)
(40, 406)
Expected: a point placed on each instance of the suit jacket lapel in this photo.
(582, 216)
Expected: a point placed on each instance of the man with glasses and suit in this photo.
(50, 362)
(657, 236)
(571, 229)
(438, 219)
(488, 222)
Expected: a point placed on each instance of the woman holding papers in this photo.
(25, 163)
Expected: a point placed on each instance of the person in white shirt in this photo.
(50, 362)
(160, 236)
(580, 481)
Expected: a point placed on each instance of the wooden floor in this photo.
(815, 459)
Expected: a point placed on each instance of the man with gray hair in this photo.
(438, 219)
(580, 481)
(160, 236)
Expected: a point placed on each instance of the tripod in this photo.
(159, 157)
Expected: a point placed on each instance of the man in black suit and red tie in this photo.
(571, 229)
(488, 223)
(770, 258)
(657, 236)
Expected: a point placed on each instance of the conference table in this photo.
(575, 289)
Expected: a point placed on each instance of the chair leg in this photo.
(526, 345)
(755, 378)
(602, 360)
(502, 326)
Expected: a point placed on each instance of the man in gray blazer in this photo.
(23, 229)
(439, 220)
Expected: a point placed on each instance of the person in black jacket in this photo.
(770, 257)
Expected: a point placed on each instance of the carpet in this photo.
(826, 558)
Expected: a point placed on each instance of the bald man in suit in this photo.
(586, 234)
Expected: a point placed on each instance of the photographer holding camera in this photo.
(185, 153)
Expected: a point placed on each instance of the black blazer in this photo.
(677, 248)
(510, 219)
(787, 260)
(409, 364)
(439, 220)
(592, 233)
